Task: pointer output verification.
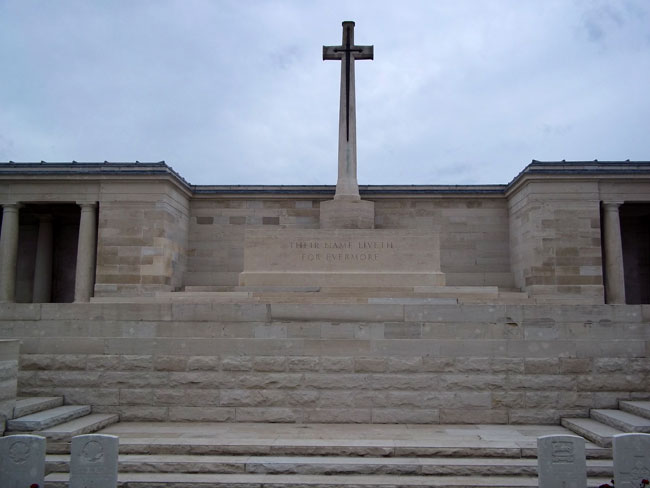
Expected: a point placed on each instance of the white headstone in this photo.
(561, 461)
(93, 461)
(22, 461)
(631, 459)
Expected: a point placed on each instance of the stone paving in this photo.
(481, 435)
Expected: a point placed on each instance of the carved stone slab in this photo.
(93, 461)
(22, 461)
(341, 257)
(631, 459)
(561, 461)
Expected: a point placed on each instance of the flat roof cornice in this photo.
(126, 170)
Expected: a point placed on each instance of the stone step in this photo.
(149, 480)
(625, 421)
(47, 418)
(330, 465)
(84, 425)
(326, 447)
(28, 405)
(597, 432)
(637, 407)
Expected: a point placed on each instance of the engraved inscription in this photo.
(562, 452)
(638, 472)
(366, 248)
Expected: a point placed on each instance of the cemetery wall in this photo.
(377, 363)
(474, 233)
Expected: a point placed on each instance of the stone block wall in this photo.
(473, 234)
(555, 240)
(8, 379)
(216, 233)
(142, 242)
(380, 363)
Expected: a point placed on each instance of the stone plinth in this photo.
(347, 214)
(341, 257)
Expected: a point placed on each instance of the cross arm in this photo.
(363, 52)
(332, 52)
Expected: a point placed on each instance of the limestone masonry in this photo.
(128, 290)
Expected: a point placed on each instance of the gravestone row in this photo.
(561, 461)
(93, 461)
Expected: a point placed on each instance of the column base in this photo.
(347, 214)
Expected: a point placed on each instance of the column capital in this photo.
(44, 217)
(612, 205)
(87, 204)
(9, 206)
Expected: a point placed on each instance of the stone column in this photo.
(615, 282)
(85, 274)
(42, 291)
(9, 251)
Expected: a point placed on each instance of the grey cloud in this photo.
(236, 92)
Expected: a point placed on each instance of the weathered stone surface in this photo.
(303, 363)
(237, 363)
(269, 363)
(170, 363)
(204, 363)
(337, 364)
(201, 414)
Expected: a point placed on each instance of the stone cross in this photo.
(93, 461)
(631, 459)
(22, 461)
(561, 461)
(347, 53)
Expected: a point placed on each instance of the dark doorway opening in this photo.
(635, 236)
(64, 220)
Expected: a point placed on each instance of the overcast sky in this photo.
(236, 92)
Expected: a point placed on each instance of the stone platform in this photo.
(334, 455)
(388, 360)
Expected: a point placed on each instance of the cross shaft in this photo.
(347, 53)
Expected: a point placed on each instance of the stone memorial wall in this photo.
(473, 234)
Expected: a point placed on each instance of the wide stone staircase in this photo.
(603, 424)
(48, 417)
(351, 456)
